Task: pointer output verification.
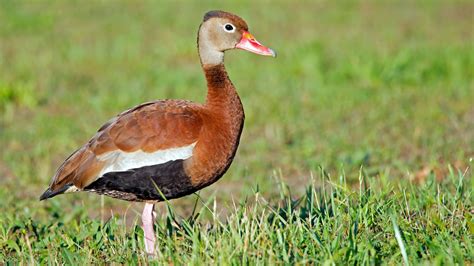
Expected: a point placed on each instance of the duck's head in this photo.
(221, 31)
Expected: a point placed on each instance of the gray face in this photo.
(221, 34)
(222, 31)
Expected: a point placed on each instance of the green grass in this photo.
(328, 224)
(386, 87)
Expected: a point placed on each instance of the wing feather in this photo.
(147, 128)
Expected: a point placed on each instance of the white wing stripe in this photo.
(122, 161)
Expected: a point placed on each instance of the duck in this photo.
(167, 149)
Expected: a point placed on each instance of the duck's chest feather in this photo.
(176, 172)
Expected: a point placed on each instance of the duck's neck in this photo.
(221, 93)
(222, 126)
(220, 88)
(222, 98)
(223, 121)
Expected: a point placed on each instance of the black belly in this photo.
(148, 183)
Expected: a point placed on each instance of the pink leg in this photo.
(148, 217)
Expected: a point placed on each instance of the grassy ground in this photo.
(383, 87)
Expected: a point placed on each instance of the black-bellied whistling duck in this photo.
(167, 148)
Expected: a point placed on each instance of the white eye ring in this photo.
(229, 27)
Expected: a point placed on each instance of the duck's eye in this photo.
(229, 27)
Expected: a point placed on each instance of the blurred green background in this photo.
(387, 85)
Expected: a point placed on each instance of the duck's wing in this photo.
(149, 134)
